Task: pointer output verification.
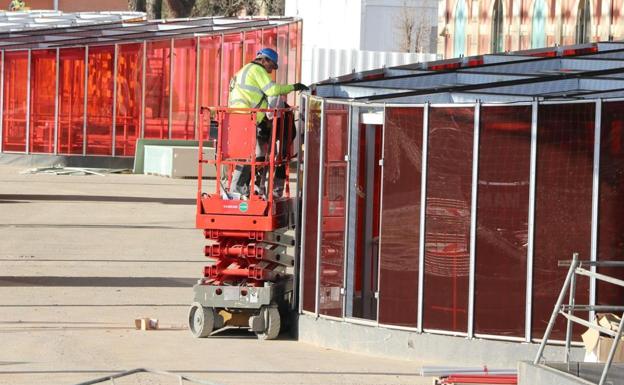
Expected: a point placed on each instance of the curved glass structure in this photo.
(94, 90)
(463, 183)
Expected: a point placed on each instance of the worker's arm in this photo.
(268, 86)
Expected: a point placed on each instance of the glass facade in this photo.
(100, 99)
(493, 246)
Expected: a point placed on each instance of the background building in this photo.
(358, 35)
(77, 5)
(473, 27)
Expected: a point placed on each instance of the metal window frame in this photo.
(595, 203)
(381, 194)
(196, 125)
(531, 224)
(353, 155)
(345, 248)
(319, 235)
(473, 220)
(114, 119)
(297, 303)
(86, 105)
(423, 212)
(171, 76)
(304, 200)
(143, 77)
(56, 100)
(2, 104)
(28, 92)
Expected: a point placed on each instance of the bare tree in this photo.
(412, 29)
(180, 8)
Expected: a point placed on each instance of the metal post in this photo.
(381, 194)
(196, 125)
(28, 112)
(171, 74)
(595, 201)
(423, 207)
(571, 302)
(473, 219)
(551, 322)
(2, 103)
(345, 248)
(143, 90)
(301, 266)
(56, 101)
(352, 208)
(319, 228)
(86, 97)
(531, 225)
(114, 128)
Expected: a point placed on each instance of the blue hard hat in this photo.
(269, 54)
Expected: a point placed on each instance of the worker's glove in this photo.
(300, 87)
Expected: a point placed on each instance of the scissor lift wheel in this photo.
(201, 320)
(272, 324)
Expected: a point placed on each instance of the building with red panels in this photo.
(93, 90)
(439, 197)
(474, 27)
(78, 5)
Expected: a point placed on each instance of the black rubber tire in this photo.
(273, 324)
(201, 320)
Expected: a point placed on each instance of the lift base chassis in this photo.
(241, 297)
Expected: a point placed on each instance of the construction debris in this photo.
(60, 170)
(146, 323)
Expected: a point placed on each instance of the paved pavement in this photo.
(82, 256)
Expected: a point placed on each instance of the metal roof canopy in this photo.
(123, 31)
(586, 71)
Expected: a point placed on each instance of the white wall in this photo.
(352, 25)
(380, 19)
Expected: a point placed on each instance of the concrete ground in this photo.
(82, 256)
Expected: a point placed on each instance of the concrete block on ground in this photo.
(176, 161)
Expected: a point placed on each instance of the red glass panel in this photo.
(333, 208)
(400, 217)
(565, 143)
(502, 220)
(299, 53)
(184, 74)
(232, 62)
(129, 88)
(313, 127)
(15, 94)
(252, 44)
(157, 72)
(209, 71)
(611, 214)
(293, 37)
(447, 236)
(269, 40)
(71, 100)
(42, 100)
(282, 50)
(100, 101)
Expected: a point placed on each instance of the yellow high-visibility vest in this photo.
(251, 86)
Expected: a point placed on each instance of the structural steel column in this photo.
(595, 204)
(196, 125)
(304, 210)
(423, 207)
(28, 102)
(85, 106)
(531, 224)
(56, 102)
(473, 220)
(345, 248)
(319, 230)
(143, 90)
(114, 129)
(171, 73)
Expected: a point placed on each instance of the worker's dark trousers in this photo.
(241, 178)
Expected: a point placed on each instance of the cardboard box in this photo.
(146, 323)
(597, 346)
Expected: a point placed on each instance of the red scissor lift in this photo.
(249, 285)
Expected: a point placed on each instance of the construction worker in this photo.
(16, 5)
(250, 88)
